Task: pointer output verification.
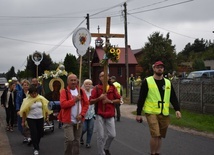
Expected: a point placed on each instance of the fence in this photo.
(196, 96)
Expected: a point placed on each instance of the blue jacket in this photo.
(20, 95)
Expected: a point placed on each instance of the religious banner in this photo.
(81, 40)
(37, 57)
(53, 82)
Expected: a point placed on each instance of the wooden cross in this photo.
(107, 35)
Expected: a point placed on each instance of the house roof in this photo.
(136, 51)
(131, 58)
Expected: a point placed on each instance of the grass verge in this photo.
(192, 120)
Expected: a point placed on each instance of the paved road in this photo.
(132, 139)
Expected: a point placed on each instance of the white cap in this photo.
(14, 79)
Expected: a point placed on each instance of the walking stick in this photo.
(80, 75)
(105, 81)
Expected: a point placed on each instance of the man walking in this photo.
(119, 90)
(156, 94)
(73, 109)
(105, 112)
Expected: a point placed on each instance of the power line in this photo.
(110, 8)
(50, 50)
(61, 42)
(37, 17)
(19, 40)
(149, 5)
(162, 27)
(162, 7)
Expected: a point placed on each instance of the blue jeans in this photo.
(19, 123)
(88, 126)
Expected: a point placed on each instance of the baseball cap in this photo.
(158, 63)
(14, 79)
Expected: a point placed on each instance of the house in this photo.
(209, 64)
(138, 55)
(115, 69)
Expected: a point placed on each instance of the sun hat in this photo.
(14, 79)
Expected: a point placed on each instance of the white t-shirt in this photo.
(74, 112)
(35, 111)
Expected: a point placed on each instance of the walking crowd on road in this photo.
(88, 109)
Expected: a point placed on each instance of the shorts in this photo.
(158, 124)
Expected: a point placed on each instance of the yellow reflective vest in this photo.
(153, 103)
(118, 86)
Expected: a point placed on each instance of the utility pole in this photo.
(89, 52)
(126, 50)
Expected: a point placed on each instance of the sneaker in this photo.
(8, 128)
(88, 146)
(25, 140)
(81, 141)
(107, 152)
(36, 152)
(29, 141)
(11, 129)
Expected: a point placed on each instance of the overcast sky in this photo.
(43, 25)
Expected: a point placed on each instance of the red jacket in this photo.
(112, 94)
(66, 103)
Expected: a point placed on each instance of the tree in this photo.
(22, 74)
(71, 64)
(11, 73)
(199, 50)
(187, 49)
(158, 48)
(198, 64)
(86, 62)
(199, 45)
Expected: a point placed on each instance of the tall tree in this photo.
(71, 64)
(198, 64)
(157, 48)
(11, 73)
(199, 45)
(86, 61)
(200, 49)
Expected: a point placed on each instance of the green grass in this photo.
(192, 120)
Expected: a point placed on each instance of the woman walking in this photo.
(19, 99)
(34, 110)
(8, 102)
(88, 124)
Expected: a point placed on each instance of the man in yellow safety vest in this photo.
(155, 97)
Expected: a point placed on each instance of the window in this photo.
(119, 71)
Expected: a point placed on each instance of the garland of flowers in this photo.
(112, 53)
(53, 74)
